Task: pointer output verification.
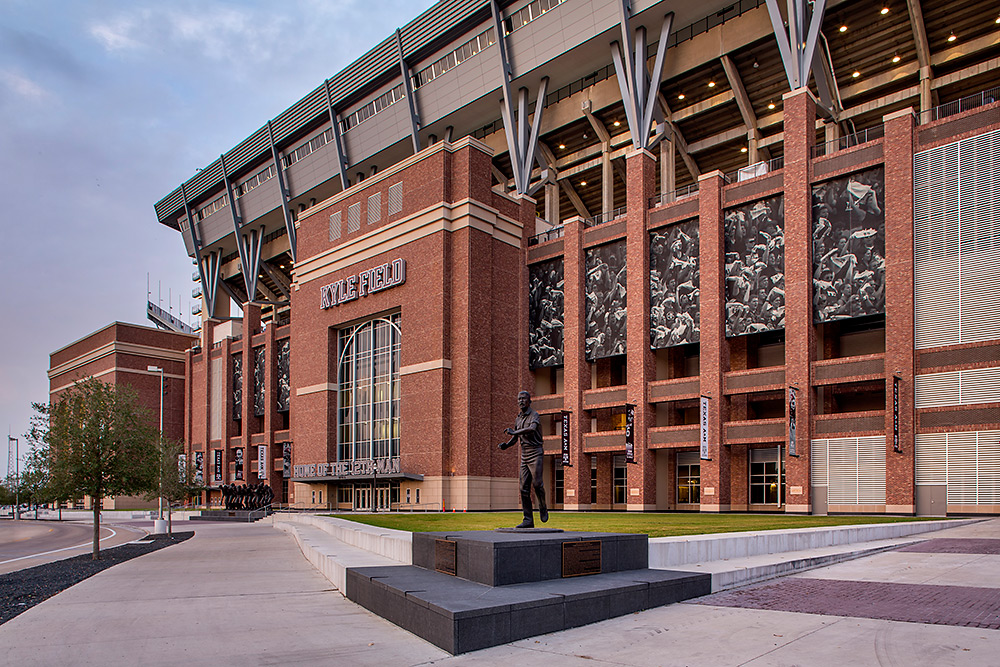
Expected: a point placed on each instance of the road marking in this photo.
(55, 551)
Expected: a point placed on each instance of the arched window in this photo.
(368, 389)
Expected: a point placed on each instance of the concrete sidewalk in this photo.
(242, 594)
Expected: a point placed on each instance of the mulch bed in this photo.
(23, 589)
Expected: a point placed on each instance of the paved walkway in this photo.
(242, 594)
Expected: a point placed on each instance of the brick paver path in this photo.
(916, 603)
(956, 546)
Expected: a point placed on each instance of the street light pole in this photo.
(158, 369)
(17, 481)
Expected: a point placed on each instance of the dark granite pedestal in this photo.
(512, 586)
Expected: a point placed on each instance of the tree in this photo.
(177, 478)
(96, 441)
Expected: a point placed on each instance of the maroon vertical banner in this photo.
(895, 414)
(703, 422)
(239, 463)
(792, 450)
(565, 439)
(629, 433)
(218, 465)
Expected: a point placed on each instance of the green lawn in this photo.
(654, 525)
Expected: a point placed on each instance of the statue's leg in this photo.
(525, 478)
(538, 479)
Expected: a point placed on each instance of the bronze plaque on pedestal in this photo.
(580, 558)
(445, 558)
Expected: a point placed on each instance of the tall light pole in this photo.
(158, 369)
(17, 482)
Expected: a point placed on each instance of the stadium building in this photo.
(744, 255)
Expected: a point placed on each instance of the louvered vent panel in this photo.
(962, 468)
(688, 458)
(335, 226)
(979, 385)
(931, 450)
(935, 202)
(989, 467)
(871, 470)
(980, 276)
(374, 208)
(395, 199)
(353, 218)
(956, 210)
(818, 470)
(936, 283)
(843, 471)
(932, 390)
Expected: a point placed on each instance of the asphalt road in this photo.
(28, 543)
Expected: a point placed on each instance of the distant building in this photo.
(121, 354)
(783, 282)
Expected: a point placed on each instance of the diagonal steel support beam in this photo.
(680, 143)
(208, 266)
(826, 82)
(246, 259)
(639, 88)
(250, 246)
(522, 136)
(286, 196)
(338, 145)
(797, 43)
(411, 101)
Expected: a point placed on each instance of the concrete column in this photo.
(899, 353)
(668, 167)
(576, 370)
(753, 150)
(926, 100)
(607, 180)
(552, 203)
(800, 333)
(714, 348)
(641, 365)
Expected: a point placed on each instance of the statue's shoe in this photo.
(527, 523)
(543, 514)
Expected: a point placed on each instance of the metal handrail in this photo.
(554, 233)
(974, 101)
(668, 197)
(848, 141)
(602, 218)
(265, 511)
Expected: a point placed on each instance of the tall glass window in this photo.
(368, 379)
(766, 476)
(620, 478)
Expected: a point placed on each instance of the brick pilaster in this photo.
(800, 133)
(576, 370)
(714, 348)
(641, 368)
(899, 350)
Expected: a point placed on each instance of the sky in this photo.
(106, 107)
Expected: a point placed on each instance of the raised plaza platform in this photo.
(476, 589)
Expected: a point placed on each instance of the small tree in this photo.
(95, 441)
(176, 476)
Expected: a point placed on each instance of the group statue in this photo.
(528, 429)
(246, 496)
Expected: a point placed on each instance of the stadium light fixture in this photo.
(843, 28)
(895, 58)
(885, 10)
(681, 96)
(856, 74)
(711, 84)
(952, 37)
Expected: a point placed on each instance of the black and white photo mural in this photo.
(284, 388)
(755, 267)
(673, 285)
(545, 314)
(259, 368)
(849, 246)
(237, 387)
(606, 303)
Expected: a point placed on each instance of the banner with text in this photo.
(629, 433)
(565, 438)
(703, 416)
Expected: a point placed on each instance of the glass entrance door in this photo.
(362, 497)
(382, 500)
